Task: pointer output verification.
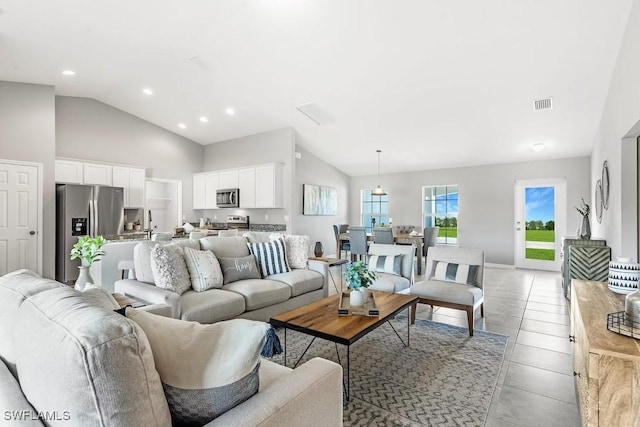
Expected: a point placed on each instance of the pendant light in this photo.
(379, 191)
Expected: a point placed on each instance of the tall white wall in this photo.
(486, 206)
(620, 122)
(267, 147)
(91, 130)
(313, 170)
(27, 133)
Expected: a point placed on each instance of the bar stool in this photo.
(126, 265)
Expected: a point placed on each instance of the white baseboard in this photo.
(505, 266)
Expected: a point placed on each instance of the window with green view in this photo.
(440, 209)
(373, 208)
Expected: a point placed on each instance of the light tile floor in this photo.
(535, 385)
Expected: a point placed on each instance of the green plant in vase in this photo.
(88, 250)
(358, 278)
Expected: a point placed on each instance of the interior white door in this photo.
(19, 217)
(540, 221)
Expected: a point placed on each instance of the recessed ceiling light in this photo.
(230, 111)
(538, 146)
(182, 126)
(69, 73)
(203, 119)
(147, 91)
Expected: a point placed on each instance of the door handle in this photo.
(32, 232)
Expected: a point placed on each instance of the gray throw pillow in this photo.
(234, 269)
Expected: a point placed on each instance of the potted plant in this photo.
(89, 250)
(358, 278)
(137, 225)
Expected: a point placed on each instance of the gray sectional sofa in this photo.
(67, 359)
(255, 299)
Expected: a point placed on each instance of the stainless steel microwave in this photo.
(228, 198)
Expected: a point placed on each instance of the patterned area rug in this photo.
(445, 378)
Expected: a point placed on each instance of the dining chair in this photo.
(430, 236)
(358, 243)
(383, 235)
(343, 245)
(232, 232)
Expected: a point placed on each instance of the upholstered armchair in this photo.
(393, 265)
(455, 278)
(403, 229)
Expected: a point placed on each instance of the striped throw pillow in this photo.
(391, 264)
(457, 273)
(271, 256)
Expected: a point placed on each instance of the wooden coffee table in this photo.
(320, 319)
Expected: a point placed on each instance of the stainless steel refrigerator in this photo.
(83, 210)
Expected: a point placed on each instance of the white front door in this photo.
(541, 220)
(19, 216)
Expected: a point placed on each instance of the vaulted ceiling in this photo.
(432, 84)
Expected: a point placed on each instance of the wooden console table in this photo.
(606, 365)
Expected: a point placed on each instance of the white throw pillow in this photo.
(204, 269)
(169, 269)
(297, 250)
(457, 273)
(271, 257)
(205, 369)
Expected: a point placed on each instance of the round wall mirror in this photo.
(599, 201)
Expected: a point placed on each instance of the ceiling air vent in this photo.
(543, 104)
(201, 63)
(315, 113)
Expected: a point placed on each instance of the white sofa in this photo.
(67, 359)
(255, 299)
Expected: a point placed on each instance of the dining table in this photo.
(398, 238)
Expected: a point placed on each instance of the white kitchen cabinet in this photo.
(247, 186)
(133, 182)
(211, 182)
(269, 186)
(199, 191)
(69, 172)
(228, 179)
(137, 181)
(98, 174)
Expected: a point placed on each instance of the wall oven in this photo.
(228, 198)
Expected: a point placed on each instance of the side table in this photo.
(332, 262)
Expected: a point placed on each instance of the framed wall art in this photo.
(319, 200)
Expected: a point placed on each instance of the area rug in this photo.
(445, 378)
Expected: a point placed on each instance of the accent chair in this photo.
(393, 265)
(455, 279)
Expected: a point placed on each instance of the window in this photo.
(373, 208)
(440, 209)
